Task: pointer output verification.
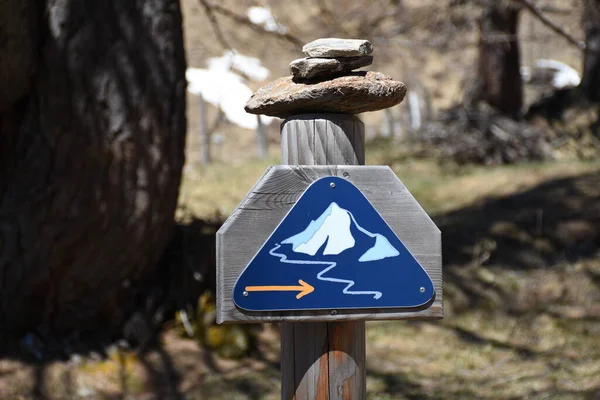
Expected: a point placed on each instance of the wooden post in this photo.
(323, 360)
(388, 123)
(261, 134)
(204, 133)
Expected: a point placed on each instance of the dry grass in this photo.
(483, 351)
(511, 331)
(528, 334)
(216, 190)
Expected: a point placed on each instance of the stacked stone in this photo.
(325, 82)
(331, 57)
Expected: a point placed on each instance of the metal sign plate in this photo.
(326, 243)
(333, 250)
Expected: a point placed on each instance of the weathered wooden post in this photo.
(204, 133)
(324, 243)
(323, 360)
(261, 135)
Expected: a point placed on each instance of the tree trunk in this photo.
(499, 58)
(92, 131)
(590, 82)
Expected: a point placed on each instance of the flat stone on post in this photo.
(333, 47)
(353, 93)
(308, 68)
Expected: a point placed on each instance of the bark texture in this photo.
(18, 36)
(91, 151)
(499, 58)
(590, 83)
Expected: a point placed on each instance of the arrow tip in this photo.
(307, 288)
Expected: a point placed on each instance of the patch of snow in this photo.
(565, 75)
(525, 73)
(262, 16)
(227, 90)
(222, 87)
(249, 66)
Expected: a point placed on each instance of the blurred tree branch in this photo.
(370, 26)
(327, 16)
(215, 24)
(212, 9)
(537, 12)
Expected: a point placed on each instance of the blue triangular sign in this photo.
(333, 251)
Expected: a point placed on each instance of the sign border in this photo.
(270, 200)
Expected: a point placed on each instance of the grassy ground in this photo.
(521, 279)
(521, 286)
(214, 191)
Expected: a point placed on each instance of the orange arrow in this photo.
(303, 289)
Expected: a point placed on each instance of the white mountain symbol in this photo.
(334, 227)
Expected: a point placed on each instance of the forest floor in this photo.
(521, 295)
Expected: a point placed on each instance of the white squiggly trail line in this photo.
(330, 265)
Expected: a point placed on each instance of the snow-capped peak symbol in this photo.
(333, 227)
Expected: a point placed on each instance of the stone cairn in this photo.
(325, 82)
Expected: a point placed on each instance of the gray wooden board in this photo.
(265, 206)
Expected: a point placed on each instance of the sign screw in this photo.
(333, 312)
(245, 294)
(422, 290)
(332, 185)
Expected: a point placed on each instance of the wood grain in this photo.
(265, 206)
(347, 360)
(322, 139)
(325, 360)
(330, 368)
(304, 360)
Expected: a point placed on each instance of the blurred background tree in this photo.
(591, 65)
(500, 58)
(92, 133)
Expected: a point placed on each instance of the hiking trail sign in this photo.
(319, 243)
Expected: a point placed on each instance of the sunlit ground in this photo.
(521, 297)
